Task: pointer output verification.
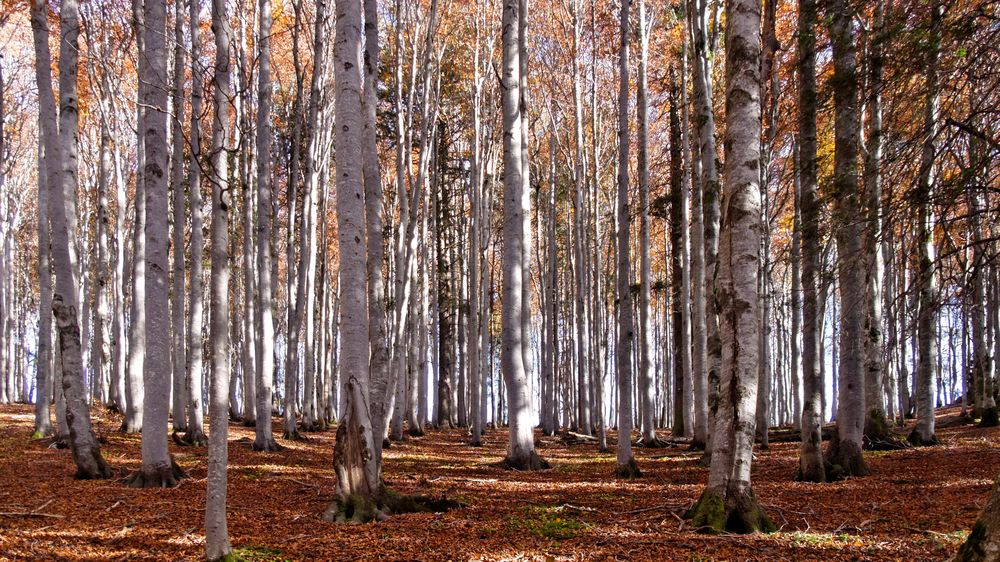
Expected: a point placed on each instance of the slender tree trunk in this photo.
(358, 484)
(263, 433)
(626, 467)
(48, 179)
(135, 392)
(196, 410)
(216, 529)
(61, 179)
(177, 328)
(927, 313)
(844, 452)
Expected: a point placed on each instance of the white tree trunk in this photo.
(216, 530)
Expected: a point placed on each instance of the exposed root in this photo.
(739, 512)
(415, 431)
(844, 461)
(128, 427)
(160, 477)
(628, 471)
(194, 438)
(917, 441)
(878, 436)
(530, 461)
(654, 443)
(95, 468)
(357, 509)
(293, 436)
(267, 444)
(59, 442)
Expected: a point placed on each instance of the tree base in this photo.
(247, 422)
(266, 445)
(739, 513)
(167, 477)
(357, 509)
(653, 443)
(697, 445)
(843, 462)
(628, 471)
(293, 435)
(415, 431)
(706, 459)
(990, 418)
(529, 462)
(130, 427)
(878, 436)
(916, 440)
(96, 468)
(193, 438)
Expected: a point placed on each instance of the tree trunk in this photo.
(158, 469)
(216, 529)
(358, 484)
(728, 502)
(626, 467)
(177, 328)
(48, 179)
(196, 411)
(61, 178)
(844, 453)
(521, 453)
(927, 313)
(263, 433)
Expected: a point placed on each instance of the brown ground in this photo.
(916, 505)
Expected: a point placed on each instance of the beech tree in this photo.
(728, 502)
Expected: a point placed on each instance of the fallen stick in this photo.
(29, 514)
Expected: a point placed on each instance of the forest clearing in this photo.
(918, 505)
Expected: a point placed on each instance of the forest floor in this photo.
(917, 505)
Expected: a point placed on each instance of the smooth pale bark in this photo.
(844, 452)
(61, 178)
(626, 467)
(647, 385)
(263, 434)
(216, 529)
(728, 502)
(158, 469)
(135, 396)
(927, 313)
(358, 484)
(48, 163)
(177, 328)
(196, 409)
(521, 453)
(705, 210)
(811, 467)
(475, 284)
(378, 328)
(583, 327)
(702, 88)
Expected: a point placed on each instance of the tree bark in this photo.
(844, 452)
(216, 529)
(521, 453)
(626, 467)
(158, 469)
(728, 502)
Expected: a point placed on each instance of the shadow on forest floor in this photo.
(917, 505)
